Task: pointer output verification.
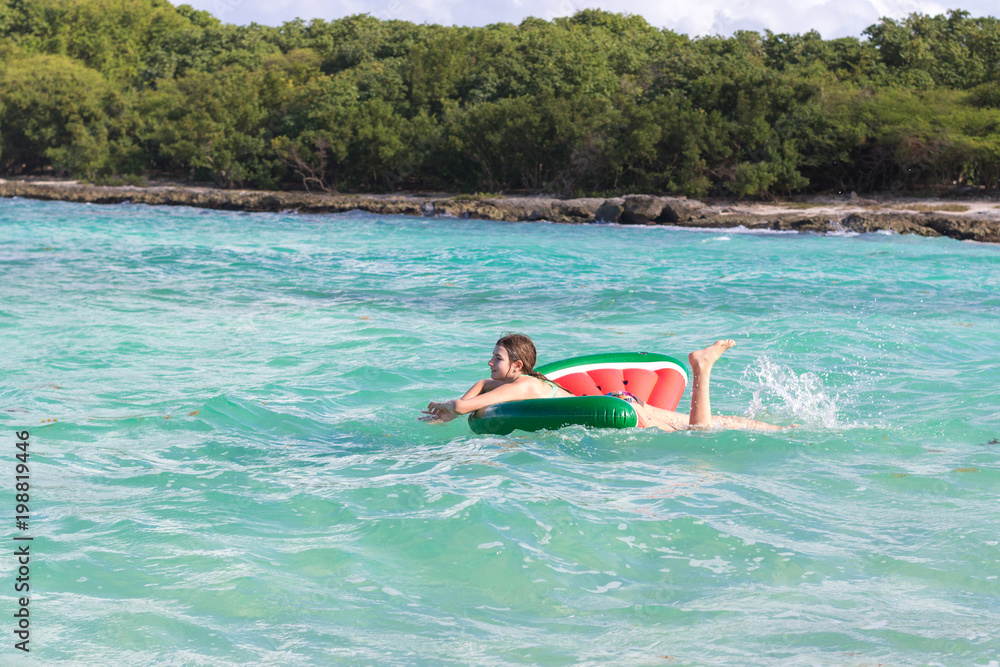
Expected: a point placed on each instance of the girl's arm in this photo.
(477, 397)
(481, 387)
(500, 393)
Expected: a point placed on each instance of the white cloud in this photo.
(832, 18)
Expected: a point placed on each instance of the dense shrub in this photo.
(596, 102)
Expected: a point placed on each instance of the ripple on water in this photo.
(227, 465)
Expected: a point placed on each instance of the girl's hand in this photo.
(438, 413)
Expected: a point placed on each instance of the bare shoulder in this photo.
(490, 385)
(523, 384)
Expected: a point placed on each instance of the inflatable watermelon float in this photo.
(656, 379)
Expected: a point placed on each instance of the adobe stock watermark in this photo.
(220, 9)
(901, 8)
(564, 8)
(22, 548)
(391, 12)
(725, 19)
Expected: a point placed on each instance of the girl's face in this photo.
(500, 366)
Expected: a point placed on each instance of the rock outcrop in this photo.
(649, 210)
(630, 209)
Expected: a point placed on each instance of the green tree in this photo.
(953, 50)
(206, 47)
(56, 114)
(110, 36)
(212, 126)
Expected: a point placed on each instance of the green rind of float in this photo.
(608, 358)
(536, 414)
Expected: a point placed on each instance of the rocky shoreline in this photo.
(974, 220)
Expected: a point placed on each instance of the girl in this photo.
(512, 378)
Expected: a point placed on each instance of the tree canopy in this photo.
(593, 103)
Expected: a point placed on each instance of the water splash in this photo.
(779, 393)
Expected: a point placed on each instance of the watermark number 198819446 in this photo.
(22, 549)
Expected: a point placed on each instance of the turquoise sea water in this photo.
(226, 465)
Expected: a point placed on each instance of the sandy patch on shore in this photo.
(981, 209)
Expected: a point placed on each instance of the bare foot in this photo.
(705, 358)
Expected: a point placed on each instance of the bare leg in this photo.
(700, 416)
(666, 420)
(701, 366)
(730, 422)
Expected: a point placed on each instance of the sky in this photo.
(832, 18)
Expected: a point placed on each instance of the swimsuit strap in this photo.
(555, 387)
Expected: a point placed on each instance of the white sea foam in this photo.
(778, 390)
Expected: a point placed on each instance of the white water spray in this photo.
(779, 392)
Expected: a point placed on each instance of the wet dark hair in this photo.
(520, 348)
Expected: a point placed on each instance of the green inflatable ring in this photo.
(656, 379)
(551, 413)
